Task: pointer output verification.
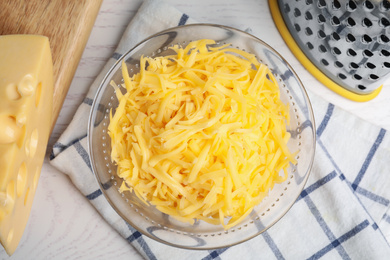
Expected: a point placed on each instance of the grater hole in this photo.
(386, 64)
(308, 16)
(321, 19)
(287, 8)
(309, 2)
(342, 76)
(385, 53)
(351, 52)
(336, 4)
(308, 31)
(384, 38)
(350, 38)
(310, 45)
(373, 77)
(361, 87)
(322, 48)
(336, 51)
(338, 64)
(368, 53)
(297, 12)
(367, 22)
(357, 77)
(385, 5)
(366, 39)
(335, 21)
(321, 34)
(335, 36)
(297, 27)
(368, 5)
(370, 65)
(353, 65)
(351, 22)
(351, 6)
(325, 62)
(321, 3)
(384, 22)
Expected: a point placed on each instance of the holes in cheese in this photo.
(12, 92)
(38, 93)
(11, 192)
(7, 200)
(26, 196)
(27, 147)
(9, 130)
(21, 179)
(27, 85)
(33, 142)
(22, 136)
(201, 134)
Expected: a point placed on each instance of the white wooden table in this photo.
(63, 224)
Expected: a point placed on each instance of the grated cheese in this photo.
(201, 134)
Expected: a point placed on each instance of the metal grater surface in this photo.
(349, 41)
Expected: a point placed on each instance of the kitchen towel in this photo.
(342, 213)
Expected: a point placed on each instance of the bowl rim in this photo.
(90, 128)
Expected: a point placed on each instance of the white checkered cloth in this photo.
(342, 213)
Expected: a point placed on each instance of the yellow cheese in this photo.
(201, 134)
(26, 97)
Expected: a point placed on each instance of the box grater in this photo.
(345, 44)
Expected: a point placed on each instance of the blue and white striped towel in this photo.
(343, 212)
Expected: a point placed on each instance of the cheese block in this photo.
(26, 100)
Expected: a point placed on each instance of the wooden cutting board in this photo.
(67, 23)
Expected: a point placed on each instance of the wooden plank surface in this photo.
(67, 23)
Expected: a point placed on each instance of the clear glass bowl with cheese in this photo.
(188, 149)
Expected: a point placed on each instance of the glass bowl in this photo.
(201, 235)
